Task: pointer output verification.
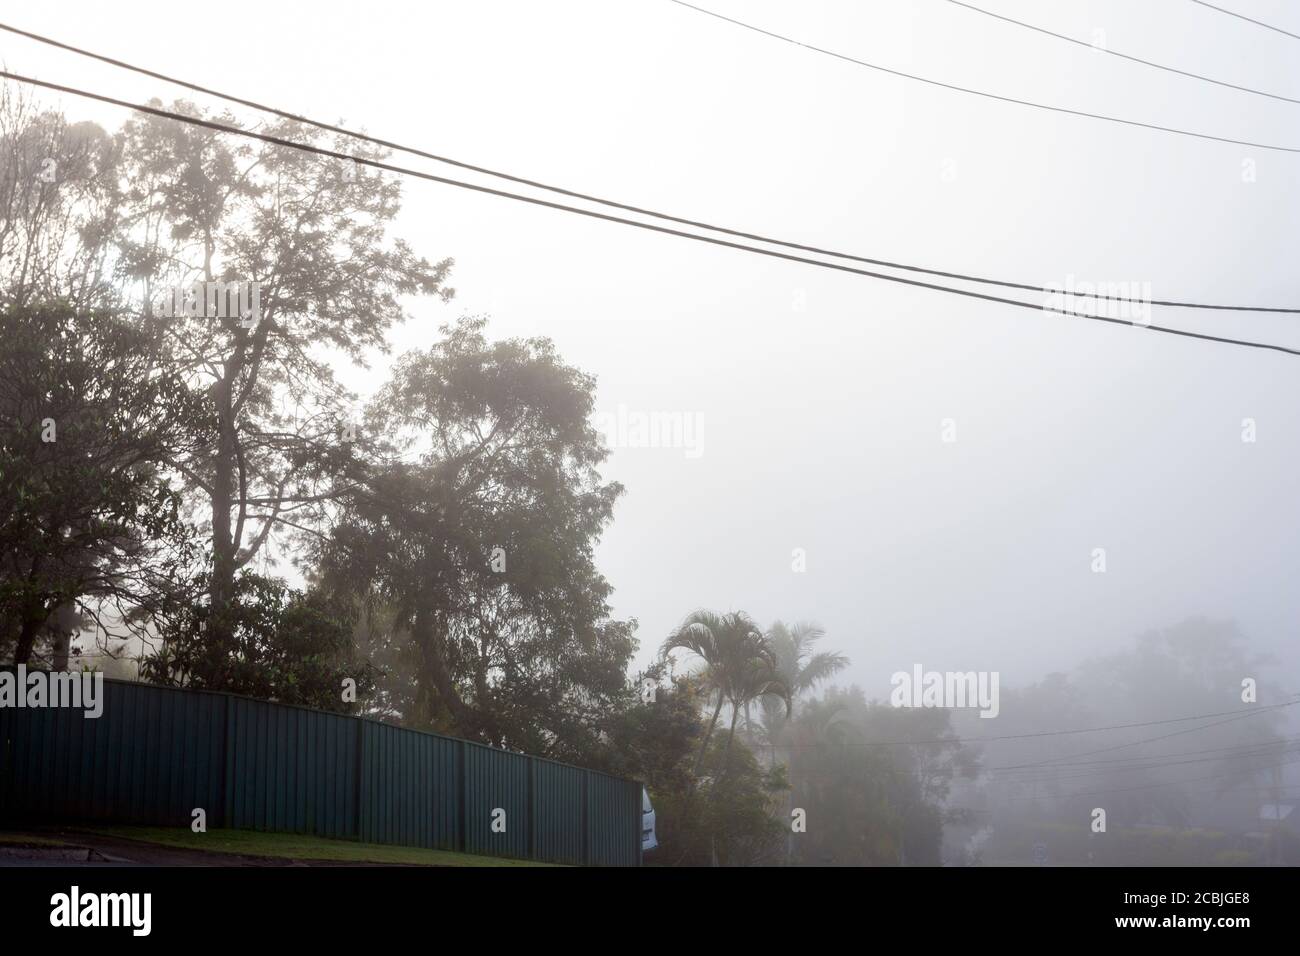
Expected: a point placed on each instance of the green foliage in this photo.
(800, 669)
(277, 644)
(86, 424)
(739, 666)
(471, 544)
(201, 207)
(869, 801)
(730, 820)
(652, 741)
(59, 199)
(724, 819)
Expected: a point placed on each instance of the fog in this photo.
(927, 476)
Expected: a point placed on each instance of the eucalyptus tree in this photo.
(310, 237)
(160, 206)
(474, 534)
(60, 204)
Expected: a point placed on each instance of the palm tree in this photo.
(757, 676)
(733, 650)
(799, 668)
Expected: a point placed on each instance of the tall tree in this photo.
(312, 234)
(476, 536)
(87, 515)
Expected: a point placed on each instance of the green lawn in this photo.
(297, 847)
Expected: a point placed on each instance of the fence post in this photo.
(358, 787)
(462, 802)
(227, 766)
(586, 817)
(532, 807)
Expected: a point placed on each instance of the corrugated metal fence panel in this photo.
(558, 812)
(158, 753)
(410, 787)
(174, 741)
(291, 770)
(6, 759)
(153, 756)
(613, 821)
(496, 780)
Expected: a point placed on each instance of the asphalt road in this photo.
(92, 849)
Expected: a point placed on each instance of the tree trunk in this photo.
(435, 680)
(220, 588)
(731, 736)
(27, 639)
(59, 652)
(62, 625)
(32, 616)
(704, 744)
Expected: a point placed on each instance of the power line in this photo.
(533, 200)
(1152, 786)
(755, 237)
(984, 93)
(1258, 23)
(1124, 56)
(1289, 793)
(1235, 715)
(1085, 770)
(1134, 743)
(1119, 763)
(1269, 750)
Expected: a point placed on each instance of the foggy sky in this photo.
(822, 394)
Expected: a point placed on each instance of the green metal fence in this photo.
(158, 753)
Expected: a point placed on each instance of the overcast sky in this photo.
(822, 396)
